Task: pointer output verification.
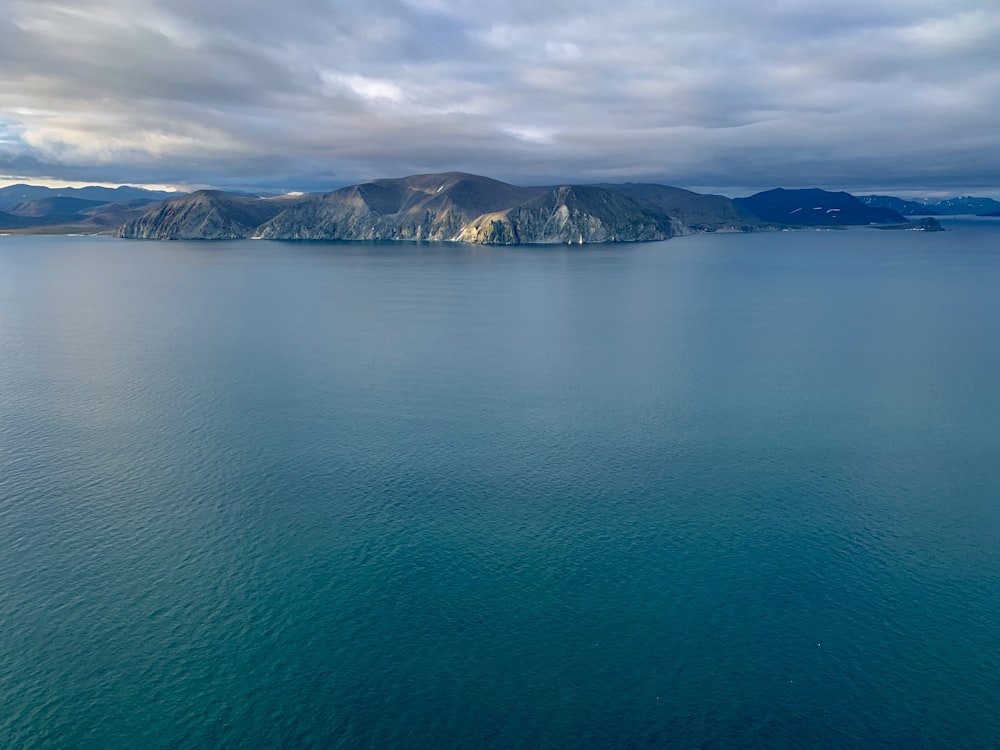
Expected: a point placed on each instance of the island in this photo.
(459, 207)
(927, 224)
(453, 207)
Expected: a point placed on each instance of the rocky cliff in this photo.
(570, 214)
(203, 215)
(467, 208)
(450, 207)
(423, 207)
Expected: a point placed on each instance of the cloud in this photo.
(310, 94)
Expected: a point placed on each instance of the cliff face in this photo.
(450, 207)
(424, 207)
(203, 215)
(467, 208)
(570, 214)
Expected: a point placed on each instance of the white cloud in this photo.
(529, 133)
(372, 89)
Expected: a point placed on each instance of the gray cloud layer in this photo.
(309, 94)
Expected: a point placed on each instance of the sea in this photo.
(733, 490)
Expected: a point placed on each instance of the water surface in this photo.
(734, 490)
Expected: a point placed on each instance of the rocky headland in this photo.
(453, 207)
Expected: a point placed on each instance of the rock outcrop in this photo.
(203, 215)
(570, 214)
(423, 207)
(449, 207)
(458, 207)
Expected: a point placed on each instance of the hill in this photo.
(452, 206)
(34, 208)
(203, 215)
(10, 221)
(421, 207)
(899, 205)
(690, 212)
(967, 204)
(815, 208)
(12, 195)
(962, 205)
(926, 224)
(570, 214)
(52, 206)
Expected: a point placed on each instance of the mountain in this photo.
(570, 214)
(967, 204)
(926, 224)
(962, 205)
(12, 195)
(46, 212)
(813, 207)
(689, 212)
(10, 221)
(421, 207)
(61, 214)
(204, 215)
(33, 208)
(453, 206)
(52, 206)
(899, 205)
(107, 216)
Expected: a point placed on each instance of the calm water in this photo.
(720, 491)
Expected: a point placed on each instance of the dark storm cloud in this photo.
(308, 94)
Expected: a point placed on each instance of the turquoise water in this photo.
(737, 490)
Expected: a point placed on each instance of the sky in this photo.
(725, 95)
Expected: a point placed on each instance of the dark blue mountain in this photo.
(899, 205)
(12, 195)
(815, 208)
(967, 204)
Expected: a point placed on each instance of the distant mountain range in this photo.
(87, 209)
(453, 206)
(963, 205)
(815, 208)
(468, 208)
(967, 204)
